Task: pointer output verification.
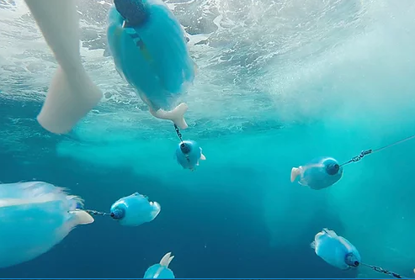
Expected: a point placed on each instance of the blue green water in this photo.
(237, 215)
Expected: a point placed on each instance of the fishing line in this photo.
(115, 215)
(183, 147)
(384, 271)
(178, 133)
(370, 151)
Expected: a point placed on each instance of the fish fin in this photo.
(313, 245)
(176, 115)
(202, 157)
(302, 182)
(71, 94)
(318, 235)
(330, 233)
(167, 258)
(295, 172)
(82, 217)
(156, 209)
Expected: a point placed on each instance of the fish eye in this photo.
(351, 260)
(332, 169)
(117, 214)
(185, 148)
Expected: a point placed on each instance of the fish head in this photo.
(352, 260)
(185, 153)
(188, 154)
(117, 213)
(186, 147)
(133, 11)
(332, 167)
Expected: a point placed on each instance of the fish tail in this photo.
(313, 245)
(176, 115)
(294, 173)
(167, 258)
(81, 217)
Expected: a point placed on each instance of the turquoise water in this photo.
(344, 86)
